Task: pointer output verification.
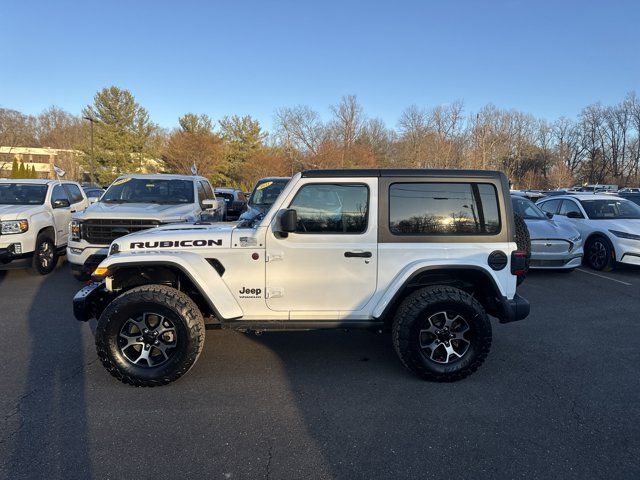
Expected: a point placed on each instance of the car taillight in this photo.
(518, 262)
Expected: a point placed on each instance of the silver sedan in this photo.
(553, 245)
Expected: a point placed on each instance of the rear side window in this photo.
(324, 208)
(550, 206)
(443, 209)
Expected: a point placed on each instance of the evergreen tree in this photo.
(14, 169)
(21, 171)
(244, 139)
(122, 133)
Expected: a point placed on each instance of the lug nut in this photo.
(156, 342)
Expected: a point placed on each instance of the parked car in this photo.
(35, 215)
(93, 193)
(631, 196)
(265, 192)
(133, 203)
(235, 200)
(609, 225)
(629, 190)
(553, 245)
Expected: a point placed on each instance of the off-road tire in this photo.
(44, 240)
(182, 312)
(410, 318)
(608, 263)
(523, 241)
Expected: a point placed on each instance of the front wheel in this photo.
(599, 254)
(441, 333)
(150, 335)
(45, 257)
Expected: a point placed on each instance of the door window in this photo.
(332, 208)
(58, 193)
(208, 191)
(569, 206)
(73, 192)
(202, 196)
(550, 206)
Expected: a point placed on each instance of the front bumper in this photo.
(10, 260)
(515, 309)
(90, 301)
(85, 258)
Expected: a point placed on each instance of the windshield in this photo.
(148, 190)
(266, 192)
(527, 209)
(22, 194)
(615, 208)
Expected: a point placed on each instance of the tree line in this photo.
(600, 145)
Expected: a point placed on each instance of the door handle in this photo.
(357, 254)
(73, 211)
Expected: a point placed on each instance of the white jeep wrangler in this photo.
(35, 215)
(426, 254)
(133, 203)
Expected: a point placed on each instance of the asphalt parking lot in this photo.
(557, 397)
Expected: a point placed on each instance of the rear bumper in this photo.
(515, 309)
(90, 301)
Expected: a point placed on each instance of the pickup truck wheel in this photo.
(45, 257)
(441, 333)
(150, 335)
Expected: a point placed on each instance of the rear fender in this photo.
(195, 267)
(404, 277)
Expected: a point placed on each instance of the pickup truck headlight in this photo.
(10, 227)
(75, 230)
(629, 236)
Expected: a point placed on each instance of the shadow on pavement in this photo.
(52, 430)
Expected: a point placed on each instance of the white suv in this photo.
(35, 216)
(133, 203)
(423, 253)
(609, 225)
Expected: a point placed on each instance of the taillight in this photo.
(518, 262)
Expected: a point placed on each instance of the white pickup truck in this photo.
(34, 216)
(133, 203)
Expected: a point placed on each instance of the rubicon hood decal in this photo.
(177, 243)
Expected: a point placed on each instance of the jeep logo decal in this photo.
(176, 243)
(250, 292)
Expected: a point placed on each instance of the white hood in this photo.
(621, 225)
(18, 212)
(182, 236)
(143, 211)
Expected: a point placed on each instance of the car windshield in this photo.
(267, 191)
(22, 194)
(149, 190)
(527, 209)
(615, 208)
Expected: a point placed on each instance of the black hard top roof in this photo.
(399, 172)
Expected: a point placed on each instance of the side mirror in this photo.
(209, 203)
(574, 215)
(549, 214)
(61, 203)
(288, 220)
(92, 200)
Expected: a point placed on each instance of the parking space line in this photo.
(602, 276)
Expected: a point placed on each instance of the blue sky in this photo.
(549, 58)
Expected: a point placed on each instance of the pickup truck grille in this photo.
(103, 232)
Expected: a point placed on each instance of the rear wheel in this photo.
(150, 336)
(45, 257)
(599, 254)
(441, 333)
